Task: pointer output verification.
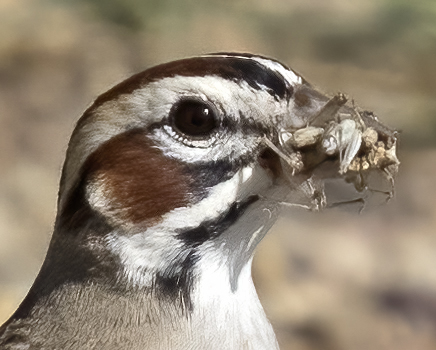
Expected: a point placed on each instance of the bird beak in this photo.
(326, 142)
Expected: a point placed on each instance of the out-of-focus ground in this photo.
(328, 280)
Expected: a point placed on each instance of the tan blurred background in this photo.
(328, 281)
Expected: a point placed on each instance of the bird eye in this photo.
(193, 118)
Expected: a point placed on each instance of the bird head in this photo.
(186, 164)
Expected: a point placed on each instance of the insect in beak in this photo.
(338, 141)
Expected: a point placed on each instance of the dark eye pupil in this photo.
(193, 118)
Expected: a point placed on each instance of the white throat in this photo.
(230, 319)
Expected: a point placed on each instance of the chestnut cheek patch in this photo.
(130, 180)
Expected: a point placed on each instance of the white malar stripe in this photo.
(219, 199)
(145, 253)
(246, 174)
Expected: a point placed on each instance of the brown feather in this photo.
(140, 183)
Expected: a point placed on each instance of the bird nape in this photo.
(171, 179)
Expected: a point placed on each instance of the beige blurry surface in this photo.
(328, 281)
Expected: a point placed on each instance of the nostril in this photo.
(269, 160)
(301, 98)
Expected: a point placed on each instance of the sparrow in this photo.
(171, 180)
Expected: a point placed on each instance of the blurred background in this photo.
(331, 280)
